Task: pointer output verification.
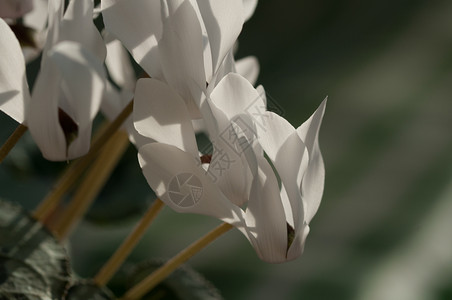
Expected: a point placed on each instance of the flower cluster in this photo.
(261, 174)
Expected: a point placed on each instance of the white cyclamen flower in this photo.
(182, 43)
(14, 92)
(68, 90)
(244, 191)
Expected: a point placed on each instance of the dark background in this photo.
(383, 228)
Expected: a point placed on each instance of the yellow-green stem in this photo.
(118, 258)
(74, 171)
(12, 141)
(164, 271)
(92, 184)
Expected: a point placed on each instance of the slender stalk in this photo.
(118, 258)
(12, 141)
(77, 167)
(92, 184)
(164, 271)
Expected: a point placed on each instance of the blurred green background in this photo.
(383, 228)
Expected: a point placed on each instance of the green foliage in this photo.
(33, 264)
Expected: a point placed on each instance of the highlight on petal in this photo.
(118, 63)
(223, 21)
(71, 80)
(14, 94)
(180, 181)
(78, 19)
(235, 95)
(138, 25)
(160, 114)
(314, 178)
(42, 113)
(181, 54)
(265, 217)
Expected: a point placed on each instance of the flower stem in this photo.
(117, 259)
(164, 271)
(92, 184)
(74, 171)
(12, 141)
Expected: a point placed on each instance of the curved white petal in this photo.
(180, 181)
(160, 114)
(181, 54)
(15, 8)
(72, 78)
(273, 133)
(289, 155)
(292, 160)
(265, 216)
(138, 25)
(78, 26)
(229, 166)
(42, 113)
(314, 177)
(248, 67)
(235, 95)
(249, 6)
(14, 94)
(223, 21)
(118, 64)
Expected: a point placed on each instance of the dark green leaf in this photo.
(33, 264)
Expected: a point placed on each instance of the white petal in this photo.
(228, 66)
(229, 166)
(314, 178)
(265, 216)
(235, 95)
(289, 155)
(249, 6)
(37, 18)
(138, 25)
(111, 103)
(80, 84)
(297, 247)
(292, 160)
(180, 181)
(42, 114)
(79, 18)
(55, 11)
(181, 54)
(160, 114)
(273, 133)
(223, 21)
(118, 64)
(15, 8)
(248, 67)
(260, 89)
(14, 94)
